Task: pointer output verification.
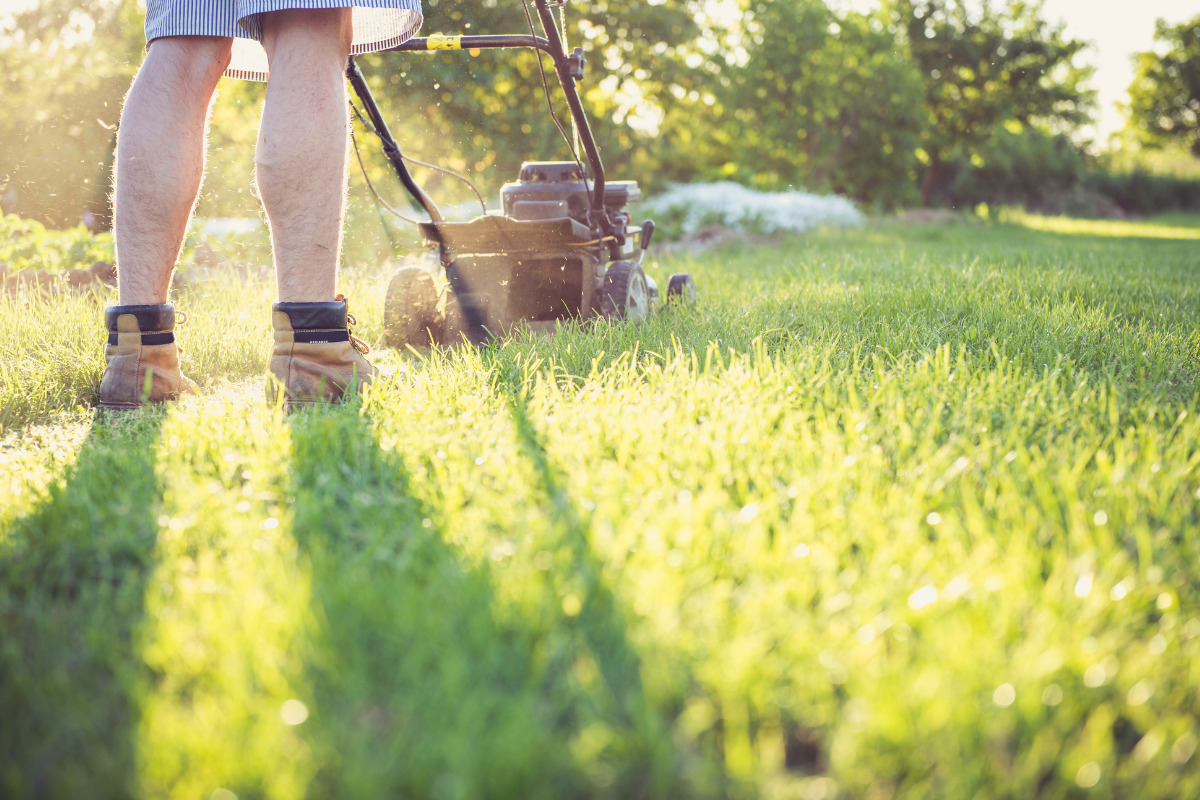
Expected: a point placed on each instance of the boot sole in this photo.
(135, 406)
(119, 406)
(292, 406)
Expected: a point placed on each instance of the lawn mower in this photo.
(561, 248)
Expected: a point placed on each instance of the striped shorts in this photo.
(378, 25)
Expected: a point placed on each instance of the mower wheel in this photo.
(626, 295)
(681, 290)
(410, 315)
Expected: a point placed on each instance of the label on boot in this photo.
(320, 337)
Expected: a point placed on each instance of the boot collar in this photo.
(149, 318)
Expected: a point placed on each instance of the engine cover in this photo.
(553, 189)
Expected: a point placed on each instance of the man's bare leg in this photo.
(160, 160)
(303, 146)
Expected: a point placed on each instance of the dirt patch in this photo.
(99, 276)
(210, 267)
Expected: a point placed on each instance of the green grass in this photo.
(897, 512)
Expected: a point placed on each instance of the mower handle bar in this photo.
(569, 69)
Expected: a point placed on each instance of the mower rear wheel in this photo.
(410, 314)
(454, 323)
(681, 289)
(626, 295)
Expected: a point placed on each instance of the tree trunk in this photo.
(927, 180)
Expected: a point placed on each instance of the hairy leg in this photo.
(160, 160)
(303, 146)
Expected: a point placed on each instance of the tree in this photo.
(983, 70)
(1165, 93)
(796, 94)
(831, 104)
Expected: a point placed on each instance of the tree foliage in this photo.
(1165, 93)
(772, 93)
(788, 93)
(806, 97)
(984, 66)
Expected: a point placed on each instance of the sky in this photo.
(1116, 29)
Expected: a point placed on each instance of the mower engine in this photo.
(552, 189)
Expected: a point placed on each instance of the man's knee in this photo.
(193, 58)
(316, 29)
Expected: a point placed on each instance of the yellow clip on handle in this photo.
(437, 41)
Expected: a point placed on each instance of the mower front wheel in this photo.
(681, 290)
(410, 313)
(626, 294)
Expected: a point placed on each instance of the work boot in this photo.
(142, 357)
(316, 358)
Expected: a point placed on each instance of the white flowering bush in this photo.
(687, 208)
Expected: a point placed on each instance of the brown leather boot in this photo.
(316, 358)
(142, 358)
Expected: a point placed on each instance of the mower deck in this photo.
(497, 234)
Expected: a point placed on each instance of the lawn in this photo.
(906, 511)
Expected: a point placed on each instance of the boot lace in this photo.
(181, 319)
(355, 342)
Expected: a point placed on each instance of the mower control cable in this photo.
(390, 148)
(410, 160)
(550, 104)
(378, 198)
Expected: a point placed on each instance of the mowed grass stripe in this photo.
(230, 620)
(480, 471)
(74, 566)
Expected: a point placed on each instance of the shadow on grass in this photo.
(72, 586)
(422, 687)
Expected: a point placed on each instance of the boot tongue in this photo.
(149, 318)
